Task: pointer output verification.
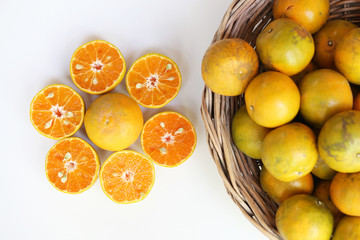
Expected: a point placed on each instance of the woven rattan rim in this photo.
(245, 19)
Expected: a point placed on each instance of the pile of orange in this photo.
(301, 115)
(114, 121)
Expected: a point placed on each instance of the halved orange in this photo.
(97, 67)
(168, 138)
(72, 165)
(127, 176)
(153, 80)
(57, 111)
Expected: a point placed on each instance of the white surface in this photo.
(36, 44)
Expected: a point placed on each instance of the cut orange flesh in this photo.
(127, 176)
(57, 111)
(72, 165)
(97, 67)
(168, 138)
(153, 80)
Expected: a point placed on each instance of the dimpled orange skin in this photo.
(279, 191)
(228, 66)
(113, 121)
(272, 99)
(312, 14)
(289, 152)
(285, 46)
(339, 141)
(326, 41)
(347, 56)
(304, 217)
(345, 193)
(324, 92)
(348, 229)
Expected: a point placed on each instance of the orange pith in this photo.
(97, 67)
(168, 138)
(153, 80)
(57, 111)
(127, 176)
(72, 165)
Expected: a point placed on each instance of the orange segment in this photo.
(57, 111)
(72, 165)
(97, 67)
(153, 80)
(168, 138)
(127, 176)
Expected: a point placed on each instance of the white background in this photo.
(37, 41)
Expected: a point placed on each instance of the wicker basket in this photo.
(245, 19)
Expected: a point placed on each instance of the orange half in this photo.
(153, 80)
(72, 165)
(127, 176)
(168, 138)
(97, 67)
(57, 111)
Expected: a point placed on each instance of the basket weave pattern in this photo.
(245, 19)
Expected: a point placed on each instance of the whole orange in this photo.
(228, 66)
(322, 192)
(303, 217)
(339, 141)
(347, 56)
(279, 191)
(289, 152)
(347, 229)
(309, 13)
(285, 46)
(272, 99)
(345, 193)
(327, 39)
(247, 135)
(113, 121)
(324, 92)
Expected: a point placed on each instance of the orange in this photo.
(272, 99)
(348, 229)
(57, 111)
(308, 13)
(285, 46)
(289, 152)
(97, 67)
(247, 135)
(228, 66)
(324, 92)
(279, 191)
(72, 165)
(113, 121)
(326, 41)
(168, 138)
(339, 141)
(127, 176)
(345, 193)
(322, 192)
(356, 105)
(322, 170)
(304, 217)
(153, 80)
(347, 57)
